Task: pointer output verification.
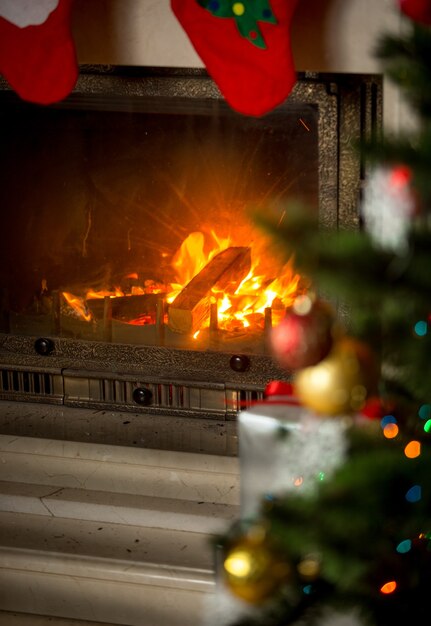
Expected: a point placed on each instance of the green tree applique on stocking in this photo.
(247, 14)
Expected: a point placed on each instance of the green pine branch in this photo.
(407, 61)
(355, 523)
(362, 524)
(386, 294)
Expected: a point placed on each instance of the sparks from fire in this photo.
(239, 305)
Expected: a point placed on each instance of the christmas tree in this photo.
(357, 546)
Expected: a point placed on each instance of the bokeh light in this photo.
(421, 328)
(390, 431)
(302, 305)
(388, 587)
(412, 449)
(400, 176)
(238, 564)
(387, 419)
(425, 411)
(414, 494)
(404, 546)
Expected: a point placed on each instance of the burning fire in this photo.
(242, 308)
(77, 304)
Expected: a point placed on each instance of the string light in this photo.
(390, 431)
(387, 419)
(388, 587)
(425, 411)
(414, 494)
(412, 449)
(404, 546)
(425, 536)
(400, 176)
(309, 567)
(421, 328)
(389, 426)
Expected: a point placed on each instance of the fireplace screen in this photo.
(127, 208)
(128, 219)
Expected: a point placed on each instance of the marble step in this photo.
(120, 469)
(110, 573)
(111, 534)
(12, 618)
(116, 508)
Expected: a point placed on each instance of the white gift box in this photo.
(285, 448)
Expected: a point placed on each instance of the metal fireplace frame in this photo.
(156, 379)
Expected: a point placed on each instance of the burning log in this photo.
(125, 307)
(224, 273)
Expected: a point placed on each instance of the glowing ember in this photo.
(243, 308)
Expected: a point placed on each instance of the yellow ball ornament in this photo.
(341, 382)
(252, 569)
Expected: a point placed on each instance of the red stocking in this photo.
(245, 47)
(37, 54)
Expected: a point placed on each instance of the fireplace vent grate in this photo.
(23, 384)
(156, 396)
(80, 389)
(148, 380)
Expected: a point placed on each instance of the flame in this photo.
(116, 293)
(191, 258)
(78, 305)
(242, 309)
(254, 294)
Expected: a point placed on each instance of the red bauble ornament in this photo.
(417, 10)
(301, 340)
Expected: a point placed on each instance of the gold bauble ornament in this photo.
(252, 569)
(340, 383)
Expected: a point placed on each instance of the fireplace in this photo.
(131, 274)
